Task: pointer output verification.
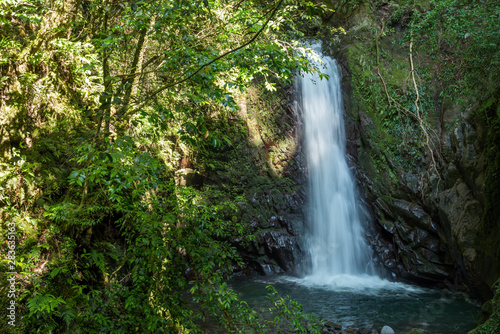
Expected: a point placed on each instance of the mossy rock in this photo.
(416, 331)
(485, 313)
(492, 307)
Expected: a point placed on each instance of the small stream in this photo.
(369, 302)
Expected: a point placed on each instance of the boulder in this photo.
(281, 247)
(187, 177)
(387, 330)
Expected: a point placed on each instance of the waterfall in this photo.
(335, 242)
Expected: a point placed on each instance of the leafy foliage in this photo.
(453, 46)
(462, 39)
(99, 101)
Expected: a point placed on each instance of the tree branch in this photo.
(132, 80)
(186, 78)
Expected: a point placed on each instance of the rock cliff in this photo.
(431, 186)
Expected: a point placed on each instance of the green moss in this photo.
(492, 324)
(391, 132)
(485, 313)
(253, 167)
(416, 331)
(487, 238)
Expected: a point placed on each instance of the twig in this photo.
(417, 110)
(392, 102)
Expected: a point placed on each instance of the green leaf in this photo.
(74, 174)
(105, 106)
(44, 245)
(128, 140)
(54, 272)
(229, 143)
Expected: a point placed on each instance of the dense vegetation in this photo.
(100, 101)
(420, 58)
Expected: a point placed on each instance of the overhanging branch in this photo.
(186, 78)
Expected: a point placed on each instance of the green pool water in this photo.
(368, 301)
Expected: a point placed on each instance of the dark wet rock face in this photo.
(424, 224)
(273, 209)
(282, 247)
(405, 246)
(277, 246)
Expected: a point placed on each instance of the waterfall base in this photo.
(369, 302)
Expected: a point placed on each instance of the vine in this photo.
(395, 104)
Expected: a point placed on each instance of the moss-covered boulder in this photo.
(489, 318)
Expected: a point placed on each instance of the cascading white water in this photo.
(336, 242)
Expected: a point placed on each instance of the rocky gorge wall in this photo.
(424, 223)
(434, 221)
